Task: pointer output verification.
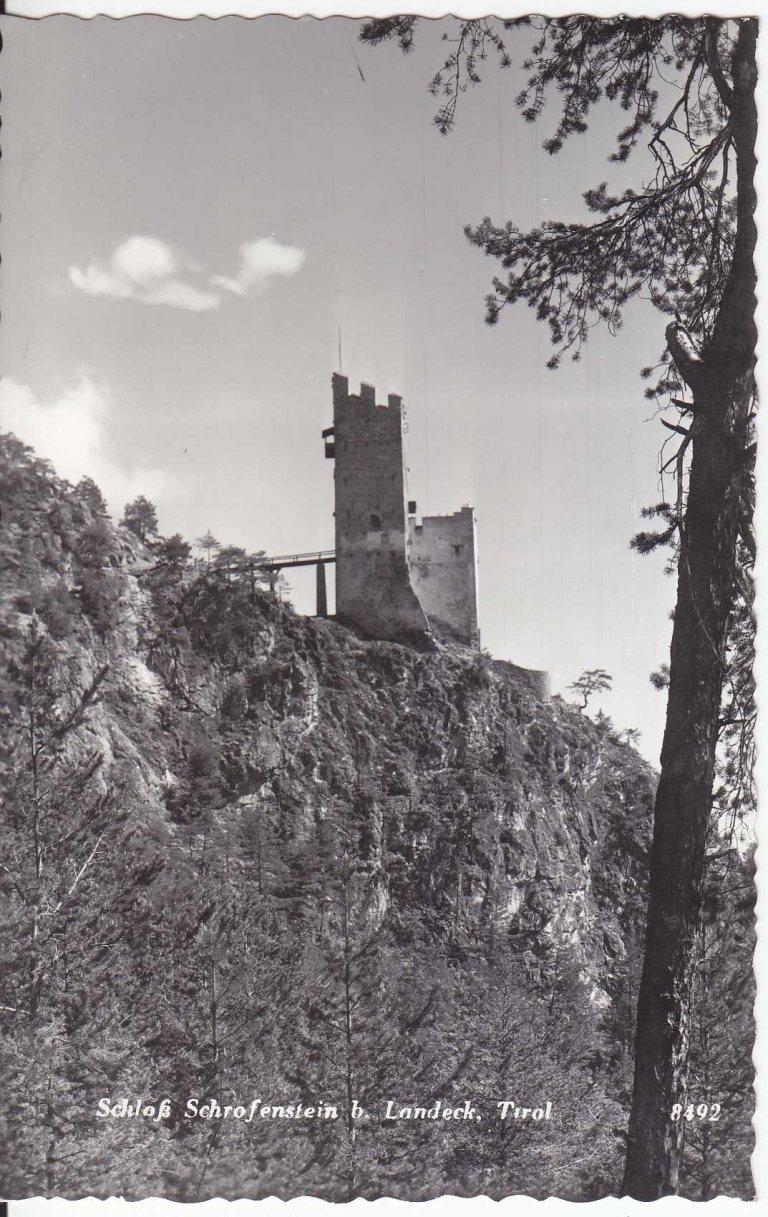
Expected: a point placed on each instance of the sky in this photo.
(203, 220)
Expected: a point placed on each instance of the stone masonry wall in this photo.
(373, 587)
(443, 563)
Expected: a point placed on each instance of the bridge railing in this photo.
(307, 559)
(271, 566)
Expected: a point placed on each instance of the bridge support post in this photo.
(322, 595)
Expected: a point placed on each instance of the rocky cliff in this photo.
(391, 813)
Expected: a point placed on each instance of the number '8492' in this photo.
(702, 1111)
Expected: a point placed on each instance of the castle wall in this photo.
(537, 680)
(373, 587)
(443, 568)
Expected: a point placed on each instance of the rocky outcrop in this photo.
(481, 805)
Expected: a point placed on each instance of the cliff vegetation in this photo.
(251, 856)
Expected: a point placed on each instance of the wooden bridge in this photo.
(319, 558)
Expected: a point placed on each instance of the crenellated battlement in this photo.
(343, 399)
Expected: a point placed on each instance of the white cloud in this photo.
(261, 261)
(144, 260)
(181, 295)
(99, 282)
(146, 270)
(72, 431)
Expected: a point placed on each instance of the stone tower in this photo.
(395, 578)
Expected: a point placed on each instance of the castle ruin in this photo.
(396, 577)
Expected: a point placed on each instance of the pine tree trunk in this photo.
(706, 580)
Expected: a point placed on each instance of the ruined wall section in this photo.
(535, 679)
(443, 562)
(373, 586)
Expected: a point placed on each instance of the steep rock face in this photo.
(248, 854)
(485, 813)
(491, 812)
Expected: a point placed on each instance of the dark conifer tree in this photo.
(685, 238)
(89, 492)
(140, 517)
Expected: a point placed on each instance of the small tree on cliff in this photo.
(592, 680)
(686, 239)
(140, 517)
(208, 544)
(173, 552)
(88, 491)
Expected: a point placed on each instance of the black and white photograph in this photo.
(377, 625)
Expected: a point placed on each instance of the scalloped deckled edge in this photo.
(444, 1206)
(513, 1206)
(187, 10)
